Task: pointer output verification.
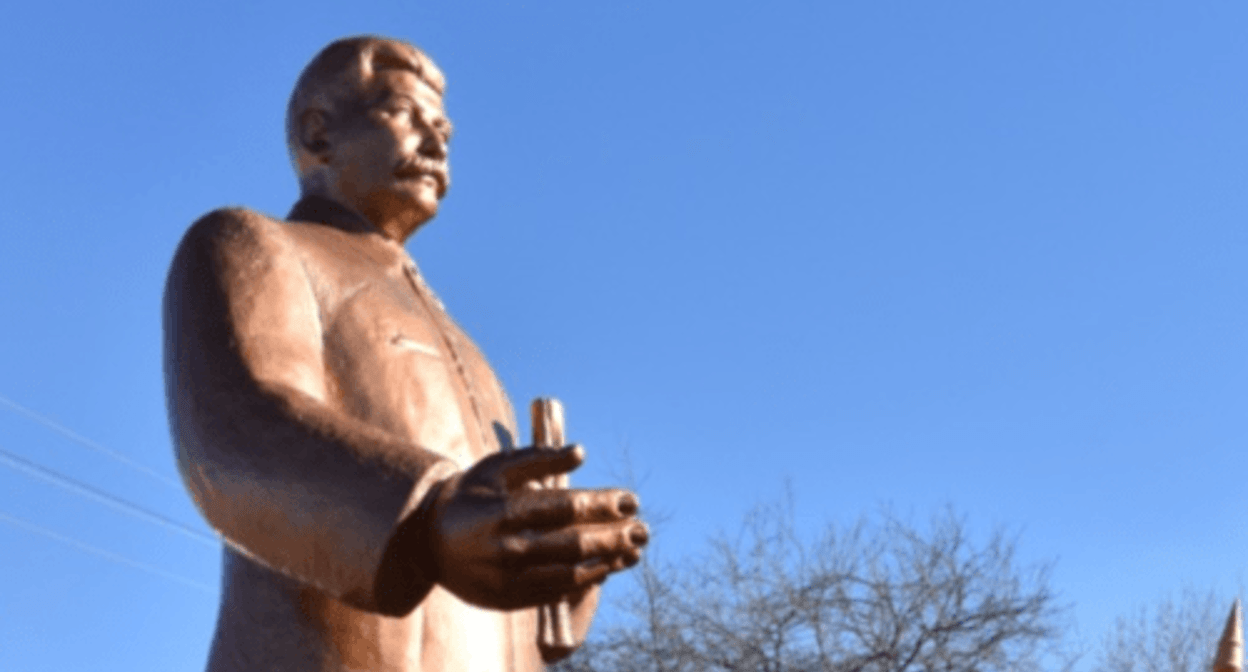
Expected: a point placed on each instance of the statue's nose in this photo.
(431, 145)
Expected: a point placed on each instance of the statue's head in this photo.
(366, 128)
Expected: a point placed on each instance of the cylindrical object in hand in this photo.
(555, 620)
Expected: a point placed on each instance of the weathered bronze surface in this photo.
(1230, 654)
(345, 437)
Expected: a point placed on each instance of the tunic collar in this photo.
(325, 211)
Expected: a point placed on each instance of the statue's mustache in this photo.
(418, 166)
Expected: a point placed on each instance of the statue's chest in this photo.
(398, 361)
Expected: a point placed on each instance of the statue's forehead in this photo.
(405, 83)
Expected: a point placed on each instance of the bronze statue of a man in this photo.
(347, 440)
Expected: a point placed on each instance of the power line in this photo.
(84, 441)
(61, 480)
(82, 546)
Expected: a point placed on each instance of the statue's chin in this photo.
(422, 209)
(405, 210)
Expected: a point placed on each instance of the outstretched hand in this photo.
(498, 541)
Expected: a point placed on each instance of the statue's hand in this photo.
(500, 542)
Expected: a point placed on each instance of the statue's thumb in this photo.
(537, 463)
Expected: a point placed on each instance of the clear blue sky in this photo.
(981, 253)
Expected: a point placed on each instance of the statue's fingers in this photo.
(590, 572)
(576, 543)
(625, 560)
(556, 508)
(535, 464)
(550, 582)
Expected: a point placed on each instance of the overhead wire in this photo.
(61, 480)
(55, 477)
(108, 555)
(85, 442)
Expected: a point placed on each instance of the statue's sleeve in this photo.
(282, 476)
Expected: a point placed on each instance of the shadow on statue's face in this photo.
(389, 153)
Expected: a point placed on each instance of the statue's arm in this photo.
(283, 476)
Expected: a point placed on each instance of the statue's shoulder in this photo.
(230, 249)
(235, 231)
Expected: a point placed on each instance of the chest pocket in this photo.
(387, 358)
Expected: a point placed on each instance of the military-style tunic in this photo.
(317, 390)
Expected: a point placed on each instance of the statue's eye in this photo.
(397, 110)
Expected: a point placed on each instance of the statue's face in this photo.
(390, 152)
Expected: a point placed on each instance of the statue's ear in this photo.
(314, 133)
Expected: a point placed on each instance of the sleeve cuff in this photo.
(407, 572)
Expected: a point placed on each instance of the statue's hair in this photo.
(341, 75)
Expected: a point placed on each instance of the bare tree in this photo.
(874, 597)
(1174, 635)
